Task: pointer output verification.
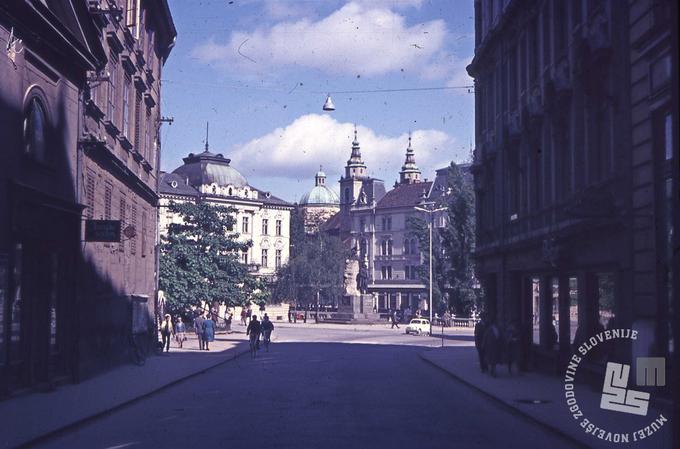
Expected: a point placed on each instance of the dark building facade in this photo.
(571, 168)
(58, 319)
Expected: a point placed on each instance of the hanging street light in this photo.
(328, 105)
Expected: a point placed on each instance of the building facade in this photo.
(54, 288)
(568, 174)
(261, 217)
(375, 223)
(319, 204)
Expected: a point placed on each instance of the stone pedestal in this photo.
(357, 308)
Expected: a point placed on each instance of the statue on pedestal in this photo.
(351, 272)
(362, 278)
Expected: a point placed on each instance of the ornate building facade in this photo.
(572, 169)
(66, 304)
(261, 217)
(374, 222)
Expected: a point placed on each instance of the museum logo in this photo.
(618, 395)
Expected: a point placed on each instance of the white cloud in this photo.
(297, 150)
(360, 37)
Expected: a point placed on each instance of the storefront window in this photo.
(573, 308)
(4, 278)
(535, 309)
(15, 305)
(606, 295)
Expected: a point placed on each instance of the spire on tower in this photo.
(410, 173)
(207, 129)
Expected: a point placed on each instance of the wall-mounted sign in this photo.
(102, 230)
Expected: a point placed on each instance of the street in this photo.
(330, 387)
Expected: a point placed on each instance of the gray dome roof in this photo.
(208, 168)
(320, 195)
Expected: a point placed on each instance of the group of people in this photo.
(204, 326)
(258, 328)
(495, 346)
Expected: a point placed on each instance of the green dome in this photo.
(209, 168)
(320, 195)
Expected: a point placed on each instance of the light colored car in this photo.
(418, 326)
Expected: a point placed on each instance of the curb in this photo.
(508, 406)
(87, 419)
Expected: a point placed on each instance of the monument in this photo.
(356, 304)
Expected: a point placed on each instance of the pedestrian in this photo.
(166, 332)
(512, 346)
(290, 317)
(208, 332)
(395, 320)
(243, 317)
(305, 318)
(198, 328)
(480, 328)
(248, 315)
(180, 332)
(267, 329)
(253, 331)
(227, 321)
(492, 346)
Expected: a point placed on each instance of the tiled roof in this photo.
(272, 200)
(405, 195)
(174, 184)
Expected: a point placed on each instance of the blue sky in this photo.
(259, 71)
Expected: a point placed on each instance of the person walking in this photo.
(480, 328)
(253, 330)
(208, 332)
(180, 332)
(249, 313)
(198, 328)
(166, 332)
(243, 317)
(492, 345)
(267, 329)
(395, 320)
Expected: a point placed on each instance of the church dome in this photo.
(320, 195)
(209, 168)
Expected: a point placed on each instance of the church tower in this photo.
(410, 173)
(355, 174)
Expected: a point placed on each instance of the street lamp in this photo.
(430, 210)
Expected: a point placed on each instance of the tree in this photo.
(316, 265)
(458, 240)
(200, 261)
(452, 246)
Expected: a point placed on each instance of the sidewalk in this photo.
(33, 416)
(540, 398)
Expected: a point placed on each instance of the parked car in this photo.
(418, 326)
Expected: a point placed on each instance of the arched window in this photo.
(35, 129)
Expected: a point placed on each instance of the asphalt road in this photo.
(367, 389)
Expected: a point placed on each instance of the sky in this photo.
(259, 72)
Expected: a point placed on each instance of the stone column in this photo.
(398, 300)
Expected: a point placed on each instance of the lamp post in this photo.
(429, 208)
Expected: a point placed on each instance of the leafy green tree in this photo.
(200, 261)
(316, 265)
(452, 246)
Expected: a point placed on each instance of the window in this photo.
(407, 272)
(244, 257)
(35, 130)
(147, 136)
(406, 244)
(414, 246)
(265, 226)
(265, 262)
(108, 193)
(126, 106)
(278, 227)
(89, 193)
(383, 272)
(389, 247)
(131, 16)
(389, 272)
(111, 93)
(245, 225)
(362, 224)
(144, 234)
(387, 223)
(133, 222)
(138, 123)
(122, 215)
(383, 248)
(277, 260)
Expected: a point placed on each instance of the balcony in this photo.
(114, 41)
